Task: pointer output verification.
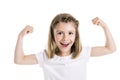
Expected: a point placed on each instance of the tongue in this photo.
(65, 45)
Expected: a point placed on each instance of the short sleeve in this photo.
(86, 51)
(41, 57)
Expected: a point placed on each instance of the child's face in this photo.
(64, 34)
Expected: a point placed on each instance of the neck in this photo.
(64, 53)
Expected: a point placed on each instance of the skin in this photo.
(109, 46)
(64, 37)
(64, 34)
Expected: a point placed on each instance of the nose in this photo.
(65, 37)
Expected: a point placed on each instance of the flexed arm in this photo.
(19, 57)
(109, 46)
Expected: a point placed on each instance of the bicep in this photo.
(29, 60)
(99, 51)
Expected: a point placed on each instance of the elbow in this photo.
(112, 50)
(17, 61)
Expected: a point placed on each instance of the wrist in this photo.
(20, 36)
(104, 26)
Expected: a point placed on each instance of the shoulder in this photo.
(42, 55)
(86, 50)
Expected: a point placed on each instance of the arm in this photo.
(19, 57)
(109, 46)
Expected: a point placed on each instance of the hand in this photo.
(28, 29)
(98, 21)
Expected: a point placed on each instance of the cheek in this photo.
(58, 38)
(72, 37)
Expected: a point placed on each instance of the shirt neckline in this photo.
(68, 56)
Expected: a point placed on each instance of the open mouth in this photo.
(64, 44)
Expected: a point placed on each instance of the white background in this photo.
(16, 14)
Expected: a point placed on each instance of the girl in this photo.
(65, 58)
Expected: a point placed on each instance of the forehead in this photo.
(65, 26)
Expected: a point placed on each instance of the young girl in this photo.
(65, 58)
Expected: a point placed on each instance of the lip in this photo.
(64, 44)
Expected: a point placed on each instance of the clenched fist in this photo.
(98, 21)
(28, 29)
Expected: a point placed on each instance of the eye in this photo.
(70, 33)
(60, 33)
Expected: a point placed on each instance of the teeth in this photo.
(64, 44)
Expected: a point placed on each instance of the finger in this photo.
(98, 22)
(28, 32)
(28, 29)
(95, 20)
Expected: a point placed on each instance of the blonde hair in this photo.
(52, 47)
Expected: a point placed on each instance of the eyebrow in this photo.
(63, 31)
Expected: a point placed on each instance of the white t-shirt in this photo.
(64, 68)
